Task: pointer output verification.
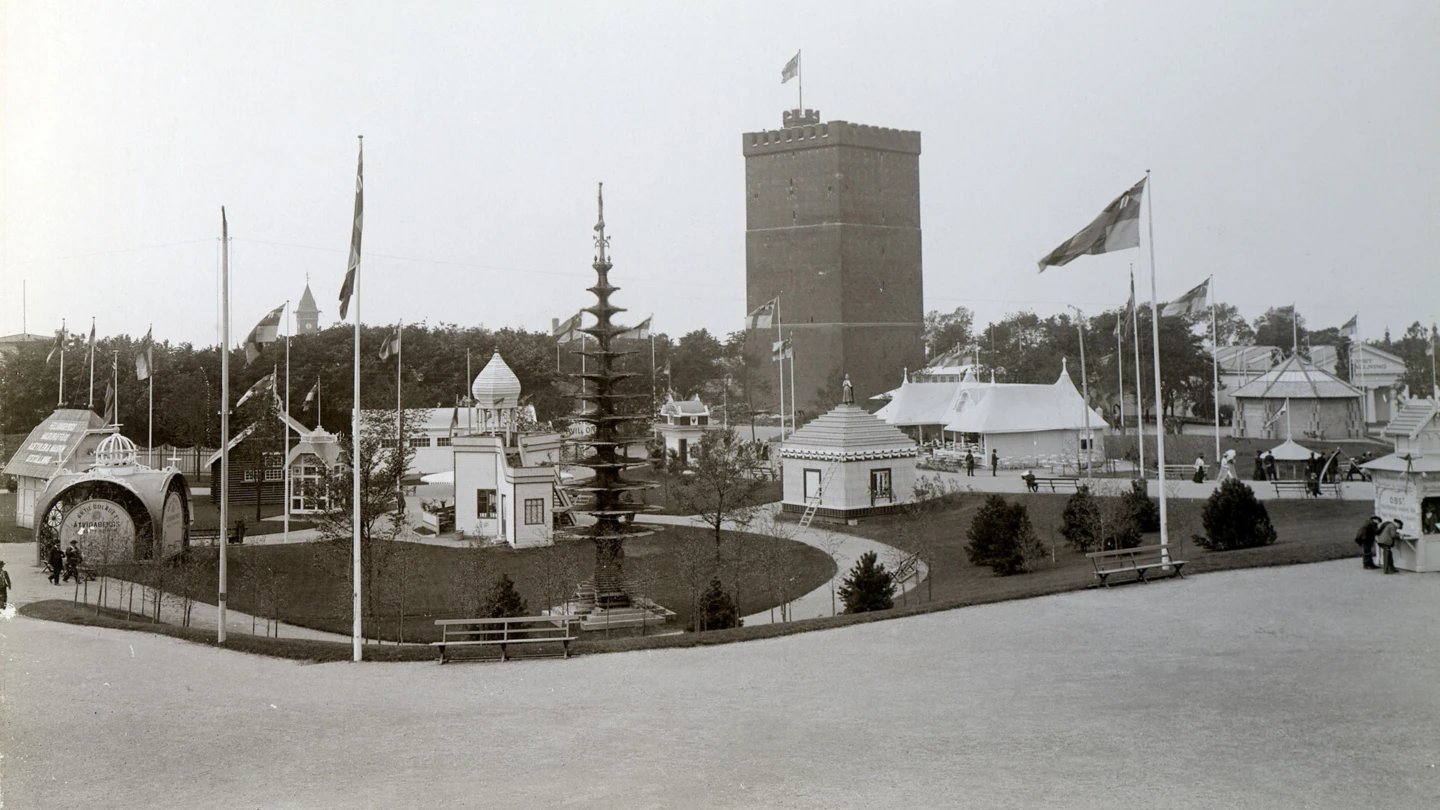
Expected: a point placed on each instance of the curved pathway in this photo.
(844, 549)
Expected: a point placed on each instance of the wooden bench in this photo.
(1140, 560)
(504, 632)
(1055, 484)
(204, 536)
(1302, 488)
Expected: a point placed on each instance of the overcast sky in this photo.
(1293, 145)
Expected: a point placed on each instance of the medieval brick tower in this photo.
(832, 227)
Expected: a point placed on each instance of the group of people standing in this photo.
(64, 566)
(1382, 534)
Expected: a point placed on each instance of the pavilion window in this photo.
(485, 503)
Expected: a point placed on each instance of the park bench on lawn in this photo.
(1302, 488)
(204, 536)
(1056, 484)
(1141, 560)
(504, 632)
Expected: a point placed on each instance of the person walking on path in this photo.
(970, 463)
(1365, 538)
(1199, 477)
(4, 585)
(994, 461)
(57, 563)
(1389, 530)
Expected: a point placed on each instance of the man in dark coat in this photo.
(57, 563)
(969, 463)
(1366, 540)
(994, 462)
(72, 562)
(1389, 533)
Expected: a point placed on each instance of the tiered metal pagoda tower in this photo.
(604, 600)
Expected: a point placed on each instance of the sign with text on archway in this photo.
(103, 528)
(172, 526)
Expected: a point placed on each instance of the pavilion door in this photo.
(812, 483)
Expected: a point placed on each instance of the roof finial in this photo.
(601, 242)
(847, 392)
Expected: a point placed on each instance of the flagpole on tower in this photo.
(1159, 398)
(800, 83)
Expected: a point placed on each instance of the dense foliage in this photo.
(1002, 537)
(868, 586)
(1235, 518)
(717, 608)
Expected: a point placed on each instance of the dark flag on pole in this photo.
(1190, 303)
(109, 404)
(58, 347)
(568, 330)
(264, 333)
(310, 397)
(144, 359)
(90, 357)
(391, 346)
(348, 289)
(1351, 326)
(264, 385)
(1117, 228)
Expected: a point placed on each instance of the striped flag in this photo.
(764, 315)
(1117, 228)
(109, 417)
(353, 267)
(791, 69)
(568, 330)
(90, 355)
(264, 333)
(782, 350)
(261, 386)
(58, 347)
(145, 358)
(1190, 303)
(391, 346)
(1351, 326)
(640, 332)
(310, 397)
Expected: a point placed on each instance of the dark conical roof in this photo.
(307, 301)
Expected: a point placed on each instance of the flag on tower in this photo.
(310, 397)
(1351, 326)
(353, 266)
(58, 347)
(391, 346)
(264, 333)
(1117, 228)
(640, 332)
(1190, 303)
(145, 359)
(791, 69)
(764, 315)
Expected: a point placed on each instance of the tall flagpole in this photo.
(1085, 390)
(1294, 330)
(1139, 377)
(1159, 398)
(357, 631)
(1120, 366)
(150, 417)
(399, 406)
(91, 406)
(1215, 365)
(800, 82)
(224, 416)
(781, 333)
(794, 395)
(286, 530)
(115, 381)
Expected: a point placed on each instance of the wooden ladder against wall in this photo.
(813, 502)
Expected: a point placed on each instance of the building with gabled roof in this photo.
(1297, 397)
(681, 425)
(66, 439)
(1376, 372)
(850, 462)
(1407, 482)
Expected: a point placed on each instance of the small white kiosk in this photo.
(1407, 483)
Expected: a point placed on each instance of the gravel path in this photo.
(1303, 687)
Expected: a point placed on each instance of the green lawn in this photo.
(1309, 531)
(660, 496)
(207, 515)
(314, 578)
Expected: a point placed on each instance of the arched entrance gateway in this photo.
(117, 510)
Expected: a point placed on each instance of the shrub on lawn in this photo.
(717, 609)
(1080, 522)
(1145, 511)
(1002, 537)
(1235, 518)
(868, 586)
(504, 601)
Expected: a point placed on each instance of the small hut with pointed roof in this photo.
(1407, 482)
(850, 462)
(1297, 398)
